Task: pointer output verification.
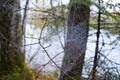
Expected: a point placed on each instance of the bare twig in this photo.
(95, 63)
(23, 21)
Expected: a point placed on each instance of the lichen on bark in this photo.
(75, 44)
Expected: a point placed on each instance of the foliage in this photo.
(44, 76)
(46, 16)
(85, 2)
(20, 74)
(55, 20)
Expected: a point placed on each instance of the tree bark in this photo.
(75, 44)
(11, 56)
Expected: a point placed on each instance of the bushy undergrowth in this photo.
(45, 76)
(19, 74)
(29, 74)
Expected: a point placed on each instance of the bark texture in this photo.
(11, 55)
(75, 44)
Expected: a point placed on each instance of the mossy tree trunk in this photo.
(11, 56)
(75, 44)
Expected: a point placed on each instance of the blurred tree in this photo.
(75, 44)
(11, 55)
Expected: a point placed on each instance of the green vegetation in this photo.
(12, 59)
(19, 74)
(85, 2)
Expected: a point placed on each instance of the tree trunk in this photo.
(11, 56)
(75, 44)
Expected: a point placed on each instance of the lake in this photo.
(52, 39)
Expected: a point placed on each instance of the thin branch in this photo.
(48, 55)
(95, 63)
(23, 21)
(30, 44)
